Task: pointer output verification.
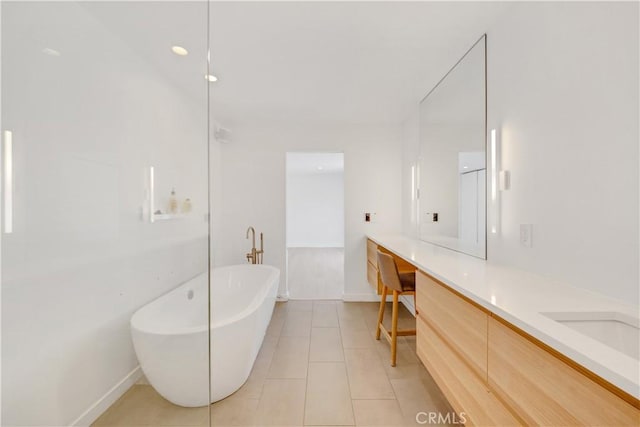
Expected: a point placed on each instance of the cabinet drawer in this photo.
(463, 324)
(372, 253)
(465, 391)
(545, 390)
(372, 276)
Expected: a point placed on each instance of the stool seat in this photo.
(399, 284)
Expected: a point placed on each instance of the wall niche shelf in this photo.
(166, 217)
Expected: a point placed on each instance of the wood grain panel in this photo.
(372, 253)
(544, 390)
(463, 388)
(372, 276)
(463, 325)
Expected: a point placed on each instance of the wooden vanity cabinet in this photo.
(465, 391)
(452, 344)
(372, 266)
(545, 388)
(499, 375)
(462, 323)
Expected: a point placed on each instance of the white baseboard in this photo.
(102, 404)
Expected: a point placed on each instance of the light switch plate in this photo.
(526, 235)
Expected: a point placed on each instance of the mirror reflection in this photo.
(452, 183)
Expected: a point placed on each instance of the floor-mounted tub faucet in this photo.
(255, 256)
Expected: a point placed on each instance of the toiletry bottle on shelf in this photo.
(186, 206)
(173, 202)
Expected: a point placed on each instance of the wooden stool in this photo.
(400, 284)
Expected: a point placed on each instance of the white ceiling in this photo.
(301, 62)
(327, 62)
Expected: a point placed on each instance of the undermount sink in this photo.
(616, 330)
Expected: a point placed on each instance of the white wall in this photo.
(563, 94)
(253, 190)
(81, 260)
(315, 210)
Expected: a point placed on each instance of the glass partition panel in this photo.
(104, 213)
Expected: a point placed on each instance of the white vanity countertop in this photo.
(519, 297)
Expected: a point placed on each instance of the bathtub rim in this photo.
(273, 276)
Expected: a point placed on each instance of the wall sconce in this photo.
(500, 181)
(150, 195)
(494, 183)
(413, 183)
(414, 196)
(416, 216)
(7, 172)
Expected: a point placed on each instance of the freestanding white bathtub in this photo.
(171, 337)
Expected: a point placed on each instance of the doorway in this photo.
(315, 225)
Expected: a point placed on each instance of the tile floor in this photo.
(315, 273)
(319, 365)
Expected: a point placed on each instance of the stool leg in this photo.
(394, 328)
(383, 300)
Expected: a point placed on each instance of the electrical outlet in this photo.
(526, 235)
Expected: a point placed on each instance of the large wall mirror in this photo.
(452, 171)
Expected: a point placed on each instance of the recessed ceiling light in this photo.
(179, 50)
(211, 77)
(465, 167)
(320, 168)
(50, 52)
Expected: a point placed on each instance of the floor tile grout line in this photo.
(376, 398)
(306, 382)
(346, 369)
